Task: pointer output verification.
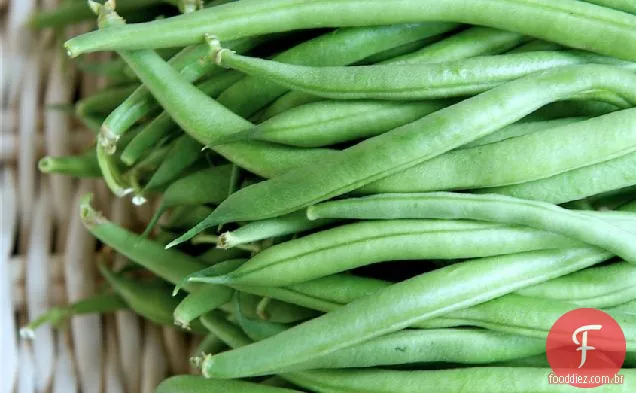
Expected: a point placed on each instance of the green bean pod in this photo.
(268, 229)
(217, 323)
(326, 123)
(205, 186)
(526, 316)
(480, 380)
(170, 265)
(544, 154)
(151, 300)
(597, 287)
(341, 47)
(183, 153)
(199, 302)
(407, 146)
(84, 165)
(403, 304)
(97, 304)
(475, 41)
(349, 246)
(588, 26)
(195, 384)
(460, 346)
(407, 81)
(576, 184)
(487, 207)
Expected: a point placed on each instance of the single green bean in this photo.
(588, 26)
(183, 153)
(102, 102)
(526, 316)
(479, 379)
(403, 304)
(205, 186)
(217, 323)
(407, 146)
(330, 122)
(350, 246)
(411, 81)
(487, 207)
(271, 228)
(341, 47)
(597, 287)
(199, 302)
(84, 165)
(171, 266)
(97, 304)
(544, 154)
(576, 184)
(462, 346)
(151, 300)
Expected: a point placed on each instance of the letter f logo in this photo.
(583, 344)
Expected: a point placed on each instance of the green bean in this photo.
(205, 186)
(621, 5)
(487, 207)
(289, 295)
(588, 27)
(521, 129)
(471, 42)
(596, 287)
(463, 346)
(162, 125)
(407, 146)
(171, 265)
(403, 304)
(183, 153)
(199, 302)
(183, 216)
(271, 228)
(194, 384)
(341, 47)
(349, 246)
(103, 102)
(576, 184)
(330, 122)
(544, 153)
(407, 81)
(101, 303)
(276, 311)
(84, 165)
(401, 50)
(229, 333)
(70, 12)
(151, 300)
(534, 317)
(210, 344)
(479, 379)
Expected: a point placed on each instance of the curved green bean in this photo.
(411, 81)
(407, 146)
(487, 207)
(588, 27)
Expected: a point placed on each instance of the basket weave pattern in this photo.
(46, 255)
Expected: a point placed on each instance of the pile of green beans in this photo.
(360, 196)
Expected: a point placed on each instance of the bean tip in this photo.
(90, 217)
(206, 364)
(27, 333)
(311, 214)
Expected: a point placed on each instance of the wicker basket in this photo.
(46, 254)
